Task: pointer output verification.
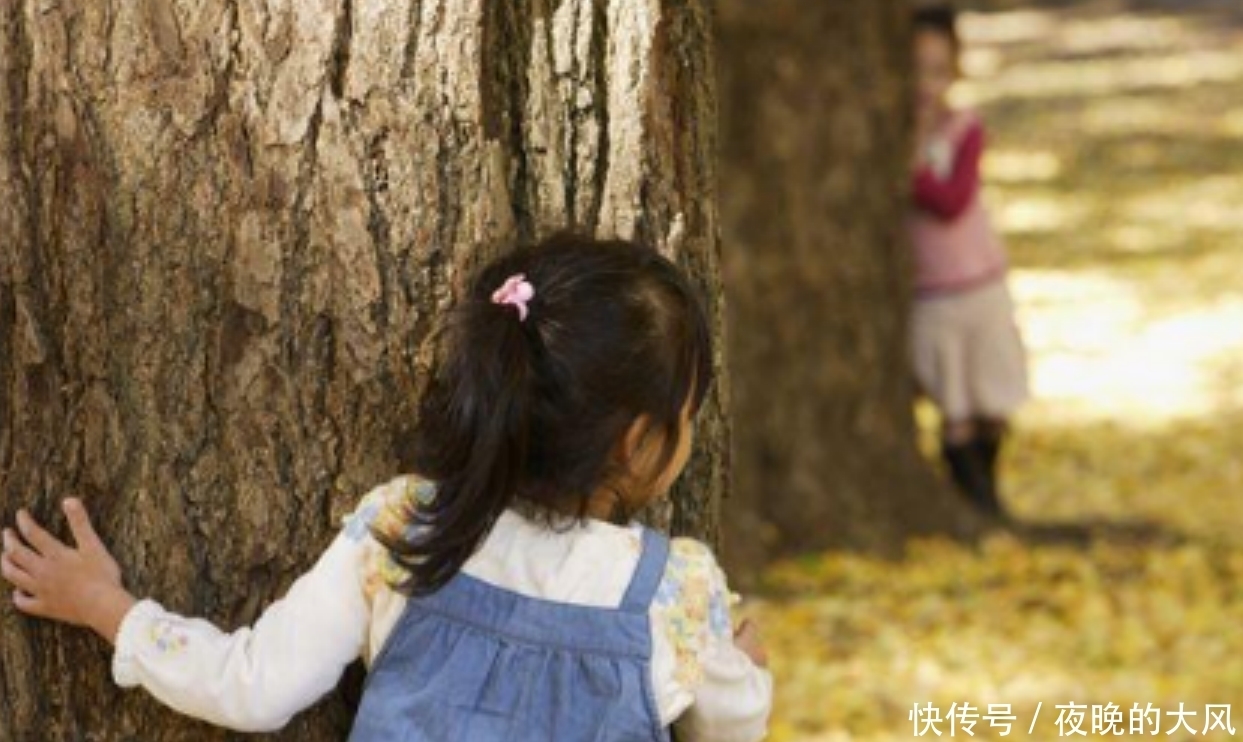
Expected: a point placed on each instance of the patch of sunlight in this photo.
(1119, 32)
(1111, 33)
(1099, 77)
(1136, 115)
(1021, 166)
(1205, 203)
(1032, 214)
(1133, 238)
(981, 61)
(1015, 27)
(1232, 123)
(1099, 353)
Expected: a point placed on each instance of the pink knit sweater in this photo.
(955, 245)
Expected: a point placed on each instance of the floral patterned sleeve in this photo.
(388, 510)
(256, 678)
(729, 696)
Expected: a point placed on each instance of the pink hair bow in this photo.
(516, 292)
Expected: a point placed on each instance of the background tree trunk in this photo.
(814, 106)
(226, 230)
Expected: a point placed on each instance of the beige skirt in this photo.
(968, 354)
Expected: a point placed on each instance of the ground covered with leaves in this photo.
(1116, 173)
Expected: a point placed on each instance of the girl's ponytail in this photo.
(482, 399)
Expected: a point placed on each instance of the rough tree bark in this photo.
(225, 231)
(814, 111)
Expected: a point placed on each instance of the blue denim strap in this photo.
(648, 574)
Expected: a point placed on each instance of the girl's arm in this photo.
(949, 197)
(723, 670)
(253, 679)
(733, 700)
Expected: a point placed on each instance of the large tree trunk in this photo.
(226, 229)
(814, 106)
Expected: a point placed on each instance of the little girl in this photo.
(502, 593)
(968, 354)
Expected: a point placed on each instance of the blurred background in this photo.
(1114, 171)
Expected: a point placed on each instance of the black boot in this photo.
(969, 473)
(988, 445)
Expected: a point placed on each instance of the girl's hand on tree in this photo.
(747, 638)
(80, 586)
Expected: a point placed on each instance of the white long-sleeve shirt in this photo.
(256, 678)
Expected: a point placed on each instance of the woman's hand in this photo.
(747, 638)
(80, 586)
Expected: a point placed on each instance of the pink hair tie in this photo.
(516, 292)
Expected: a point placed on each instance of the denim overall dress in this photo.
(478, 663)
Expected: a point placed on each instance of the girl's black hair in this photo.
(938, 18)
(530, 411)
